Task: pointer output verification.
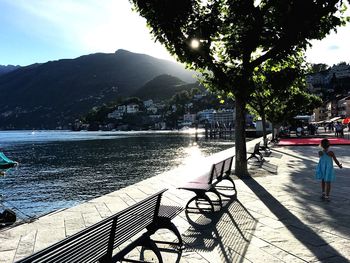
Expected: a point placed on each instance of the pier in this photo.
(223, 132)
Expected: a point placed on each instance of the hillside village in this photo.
(181, 111)
(333, 86)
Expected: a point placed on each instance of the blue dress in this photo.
(324, 169)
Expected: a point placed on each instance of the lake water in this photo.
(60, 169)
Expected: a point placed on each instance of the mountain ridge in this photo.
(54, 93)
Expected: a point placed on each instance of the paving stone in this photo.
(73, 224)
(7, 256)
(48, 236)
(275, 218)
(26, 245)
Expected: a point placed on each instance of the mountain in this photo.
(7, 69)
(44, 96)
(163, 87)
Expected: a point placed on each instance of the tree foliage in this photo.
(315, 68)
(233, 37)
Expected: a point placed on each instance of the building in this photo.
(206, 115)
(117, 113)
(221, 117)
(319, 114)
(331, 109)
(343, 107)
(132, 108)
(148, 103)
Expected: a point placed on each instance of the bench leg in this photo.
(259, 157)
(201, 196)
(231, 181)
(151, 245)
(164, 222)
(215, 191)
(250, 157)
(219, 187)
(145, 242)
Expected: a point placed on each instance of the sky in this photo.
(37, 31)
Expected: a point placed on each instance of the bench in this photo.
(256, 153)
(107, 240)
(208, 182)
(266, 149)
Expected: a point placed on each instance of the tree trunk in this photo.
(273, 131)
(240, 138)
(263, 122)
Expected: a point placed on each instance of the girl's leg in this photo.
(328, 190)
(323, 184)
(323, 189)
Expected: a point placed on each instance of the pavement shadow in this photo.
(308, 189)
(226, 234)
(275, 154)
(302, 232)
(265, 165)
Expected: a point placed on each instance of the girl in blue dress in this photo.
(325, 170)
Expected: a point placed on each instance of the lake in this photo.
(60, 169)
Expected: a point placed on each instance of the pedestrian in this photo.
(325, 170)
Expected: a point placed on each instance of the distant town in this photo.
(188, 109)
(184, 110)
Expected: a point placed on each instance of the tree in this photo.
(315, 68)
(273, 81)
(295, 101)
(227, 39)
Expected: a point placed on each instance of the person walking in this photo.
(324, 170)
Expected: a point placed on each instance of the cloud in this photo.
(332, 49)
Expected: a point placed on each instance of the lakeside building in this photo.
(190, 118)
(213, 117)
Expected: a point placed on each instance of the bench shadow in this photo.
(226, 232)
(269, 167)
(275, 154)
(265, 165)
(302, 232)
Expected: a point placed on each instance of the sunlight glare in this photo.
(195, 43)
(193, 156)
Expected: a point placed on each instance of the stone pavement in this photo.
(278, 215)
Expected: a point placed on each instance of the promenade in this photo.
(278, 215)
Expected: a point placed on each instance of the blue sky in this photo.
(42, 30)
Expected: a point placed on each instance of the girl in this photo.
(324, 169)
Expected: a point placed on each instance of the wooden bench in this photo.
(106, 241)
(256, 153)
(208, 182)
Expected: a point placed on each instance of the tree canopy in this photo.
(227, 39)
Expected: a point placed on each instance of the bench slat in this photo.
(93, 243)
(207, 183)
(169, 211)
